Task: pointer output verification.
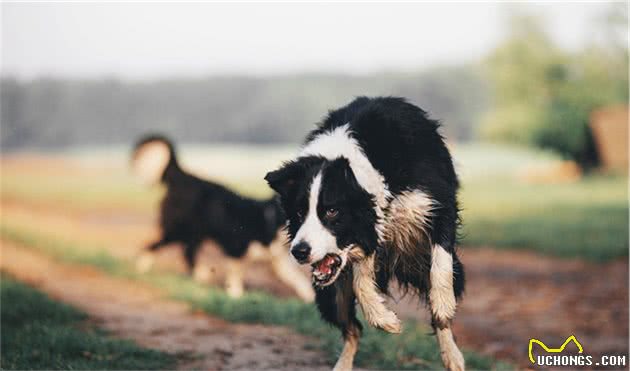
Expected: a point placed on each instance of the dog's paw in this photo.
(234, 291)
(202, 274)
(388, 321)
(453, 359)
(340, 366)
(144, 262)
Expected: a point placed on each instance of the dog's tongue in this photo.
(324, 265)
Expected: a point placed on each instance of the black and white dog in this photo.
(194, 210)
(372, 197)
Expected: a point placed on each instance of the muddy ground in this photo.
(134, 311)
(511, 296)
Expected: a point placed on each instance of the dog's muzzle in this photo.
(326, 270)
(301, 252)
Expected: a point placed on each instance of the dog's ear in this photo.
(286, 178)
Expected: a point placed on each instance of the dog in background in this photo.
(371, 198)
(193, 210)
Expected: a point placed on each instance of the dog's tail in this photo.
(152, 156)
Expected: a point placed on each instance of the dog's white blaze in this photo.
(150, 161)
(451, 355)
(312, 231)
(338, 143)
(442, 296)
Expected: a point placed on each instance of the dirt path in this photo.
(123, 236)
(138, 312)
(511, 296)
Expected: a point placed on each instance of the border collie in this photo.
(372, 197)
(194, 210)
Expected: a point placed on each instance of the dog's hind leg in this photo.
(371, 301)
(190, 255)
(144, 261)
(146, 258)
(234, 278)
(443, 304)
(200, 271)
(287, 271)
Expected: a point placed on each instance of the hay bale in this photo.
(610, 132)
(552, 173)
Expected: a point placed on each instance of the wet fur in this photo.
(420, 186)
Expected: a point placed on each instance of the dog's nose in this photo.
(301, 252)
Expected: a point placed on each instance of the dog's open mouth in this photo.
(326, 270)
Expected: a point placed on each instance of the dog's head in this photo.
(331, 218)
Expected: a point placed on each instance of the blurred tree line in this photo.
(528, 91)
(49, 113)
(543, 95)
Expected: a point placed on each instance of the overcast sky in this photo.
(146, 41)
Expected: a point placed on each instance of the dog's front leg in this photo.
(350, 347)
(336, 304)
(443, 305)
(234, 278)
(371, 301)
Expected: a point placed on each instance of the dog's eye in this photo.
(331, 213)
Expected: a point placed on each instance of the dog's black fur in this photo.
(403, 144)
(194, 209)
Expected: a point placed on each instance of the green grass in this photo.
(39, 333)
(588, 219)
(414, 349)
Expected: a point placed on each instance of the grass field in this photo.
(414, 349)
(587, 219)
(40, 333)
